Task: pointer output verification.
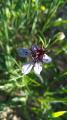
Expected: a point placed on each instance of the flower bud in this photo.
(43, 8)
(61, 35)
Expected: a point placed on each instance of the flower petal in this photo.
(46, 59)
(23, 52)
(27, 68)
(37, 68)
(34, 48)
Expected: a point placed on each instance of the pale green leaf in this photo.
(58, 114)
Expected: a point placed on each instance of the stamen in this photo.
(37, 54)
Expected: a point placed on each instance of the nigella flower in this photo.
(37, 55)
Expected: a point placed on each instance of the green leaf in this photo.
(58, 114)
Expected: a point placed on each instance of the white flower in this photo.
(38, 57)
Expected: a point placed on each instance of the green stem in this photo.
(41, 79)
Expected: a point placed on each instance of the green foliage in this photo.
(23, 23)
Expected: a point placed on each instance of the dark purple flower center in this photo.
(37, 55)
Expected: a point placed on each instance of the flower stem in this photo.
(41, 79)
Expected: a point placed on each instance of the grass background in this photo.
(22, 24)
